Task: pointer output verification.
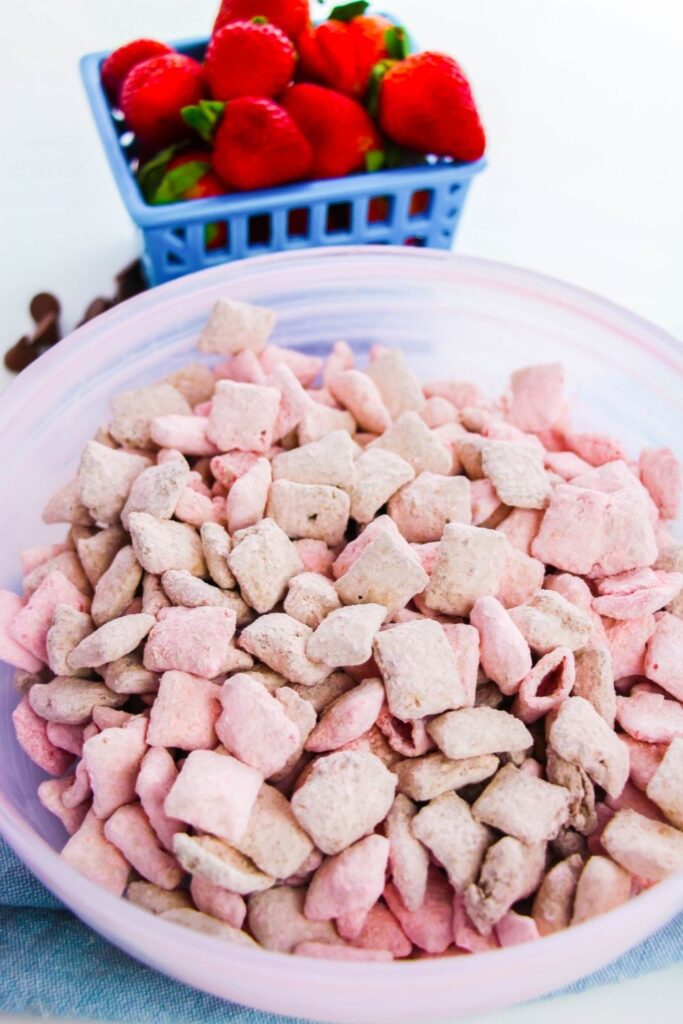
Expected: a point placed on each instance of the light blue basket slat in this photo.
(336, 211)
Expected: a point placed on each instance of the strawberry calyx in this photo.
(376, 75)
(349, 11)
(177, 182)
(259, 19)
(391, 158)
(204, 117)
(151, 173)
(397, 42)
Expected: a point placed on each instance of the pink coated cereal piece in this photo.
(565, 464)
(184, 713)
(460, 392)
(428, 554)
(408, 858)
(627, 640)
(515, 928)
(537, 393)
(437, 411)
(348, 717)
(521, 527)
(633, 799)
(664, 657)
(195, 508)
(466, 935)
(341, 357)
(30, 626)
(243, 367)
(650, 717)
(243, 416)
(597, 449)
(12, 652)
(381, 930)
(637, 593)
(360, 395)
(422, 509)
(325, 951)
(532, 767)
(113, 759)
(68, 563)
(80, 789)
(407, 738)
(155, 780)
(464, 640)
(215, 793)
(521, 578)
(277, 921)
(644, 759)
(379, 526)
(50, 794)
(660, 472)
(108, 718)
(548, 683)
(469, 566)
(218, 902)
(402, 654)
(628, 537)
(485, 501)
(293, 400)
(248, 496)
(254, 725)
(195, 640)
(234, 326)
(430, 927)
(304, 367)
(571, 533)
(66, 737)
(33, 557)
(129, 830)
(231, 466)
(450, 435)
(32, 737)
(504, 653)
(90, 852)
(352, 881)
(323, 396)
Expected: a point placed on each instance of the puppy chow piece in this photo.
(236, 326)
(511, 871)
(469, 565)
(447, 827)
(50, 793)
(349, 882)
(152, 898)
(96, 551)
(112, 640)
(309, 511)
(646, 848)
(594, 681)
(157, 491)
(602, 885)
(430, 926)
(116, 587)
(548, 621)
(399, 387)
(321, 695)
(195, 640)
(216, 548)
(554, 900)
(425, 778)
(67, 562)
(345, 636)
(255, 727)
(504, 653)
(578, 734)
(548, 683)
(660, 473)
(243, 416)
(65, 506)
(320, 420)
(520, 805)
(90, 853)
(650, 717)
(215, 793)
(474, 732)
(423, 508)
(156, 777)
(221, 864)
(516, 471)
(216, 902)
(379, 475)
(28, 624)
(113, 758)
(381, 526)
(664, 656)
(105, 477)
(419, 669)
(70, 701)
(310, 597)
(248, 496)
(69, 627)
(188, 591)
(184, 713)
(274, 841)
(328, 461)
(666, 785)
(160, 545)
(582, 813)
(408, 858)
(630, 595)
(184, 434)
(280, 641)
(358, 393)
(132, 412)
(386, 572)
(411, 438)
(32, 736)
(348, 717)
(130, 832)
(263, 560)
(537, 394)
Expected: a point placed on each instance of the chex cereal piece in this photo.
(152, 898)
(580, 735)
(408, 858)
(184, 713)
(648, 849)
(582, 813)
(425, 778)
(223, 865)
(254, 725)
(304, 367)
(345, 795)
(216, 547)
(628, 537)
(30, 625)
(466, 935)
(304, 717)
(504, 653)
(310, 597)
(194, 381)
(113, 758)
(70, 701)
(96, 552)
(274, 841)
(111, 641)
(215, 793)
(80, 790)
(423, 508)
(351, 881)
(650, 717)
(197, 508)
(321, 695)
(522, 806)
(153, 595)
(458, 840)
(116, 587)
(602, 885)
(280, 641)
(320, 420)
(186, 434)
(294, 401)
(65, 506)
(67, 737)
(536, 396)
(665, 787)
(381, 930)
(157, 491)
(32, 558)
(408, 739)
(487, 508)
(105, 477)
(554, 900)
(631, 595)
(132, 412)
(128, 675)
(660, 472)
(399, 387)
(131, 833)
(236, 326)
(473, 732)
(520, 527)
(11, 651)
(419, 669)
(345, 636)
(379, 475)
(516, 471)
(90, 853)
(464, 641)
(162, 544)
(358, 393)
(594, 681)
(645, 758)
(328, 461)
(548, 683)
(243, 416)
(411, 438)
(627, 642)
(664, 657)
(277, 920)
(188, 591)
(469, 565)
(460, 392)
(69, 627)
(263, 560)
(439, 412)
(156, 777)
(430, 926)
(571, 532)
(315, 556)
(309, 511)
(510, 872)
(66, 562)
(50, 795)
(216, 902)
(248, 496)
(548, 621)
(381, 526)
(31, 732)
(597, 449)
(195, 640)
(348, 717)
(207, 925)
(515, 928)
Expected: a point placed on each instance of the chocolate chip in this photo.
(95, 308)
(130, 281)
(20, 355)
(47, 332)
(43, 304)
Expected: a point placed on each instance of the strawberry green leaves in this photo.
(204, 118)
(346, 12)
(150, 175)
(161, 185)
(397, 43)
(377, 74)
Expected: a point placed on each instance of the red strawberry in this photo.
(153, 95)
(258, 145)
(119, 63)
(342, 54)
(426, 104)
(248, 59)
(339, 130)
(289, 15)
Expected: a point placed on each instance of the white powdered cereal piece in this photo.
(516, 471)
(243, 416)
(157, 490)
(646, 848)
(523, 806)
(425, 778)
(207, 925)
(595, 681)
(128, 675)
(280, 641)
(472, 732)
(70, 701)
(322, 694)
(320, 420)
(216, 548)
(69, 627)
(666, 785)
(582, 815)
(554, 901)
(602, 886)
(188, 591)
(310, 597)
(399, 387)
(105, 477)
(309, 511)
(447, 828)
(65, 506)
(164, 544)
(116, 587)
(578, 734)
(194, 381)
(213, 859)
(96, 552)
(419, 669)
(548, 621)
(510, 872)
(345, 636)
(274, 841)
(411, 438)
(235, 326)
(387, 572)
(277, 920)
(379, 474)
(344, 797)
(134, 410)
(150, 897)
(328, 461)
(469, 565)
(111, 641)
(408, 858)
(423, 508)
(263, 560)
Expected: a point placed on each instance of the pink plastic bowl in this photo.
(451, 315)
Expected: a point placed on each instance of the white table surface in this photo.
(583, 103)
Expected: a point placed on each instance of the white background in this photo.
(583, 104)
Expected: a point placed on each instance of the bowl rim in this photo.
(60, 878)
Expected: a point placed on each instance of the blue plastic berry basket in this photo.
(335, 211)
